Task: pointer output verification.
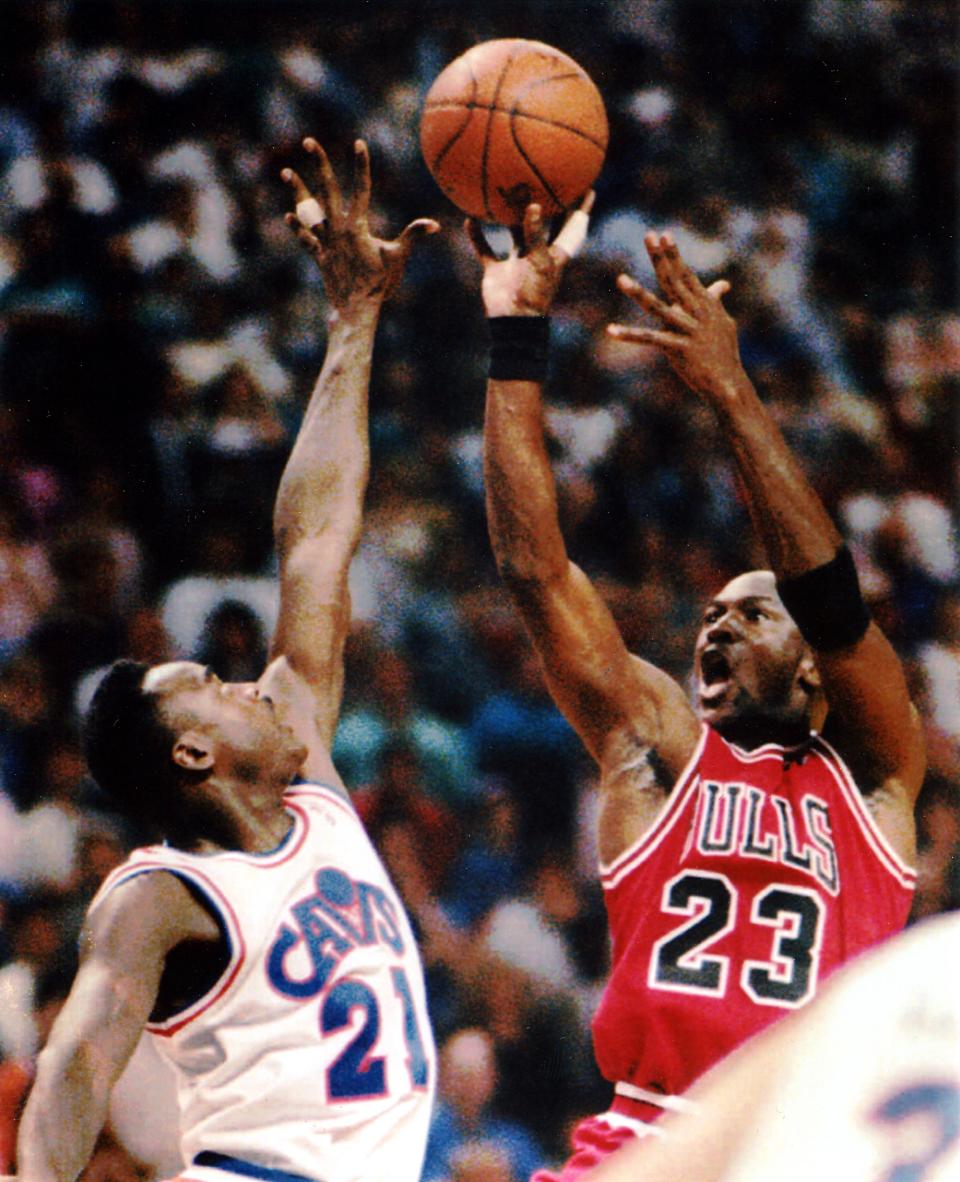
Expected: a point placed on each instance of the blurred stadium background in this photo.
(160, 332)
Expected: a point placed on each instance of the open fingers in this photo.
(478, 239)
(718, 288)
(309, 213)
(403, 244)
(300, 191)
(672, 314)
(360, 205)
(680, 284)
(306, 236)
(685, 277)
(328, 190)
(669, 342)
(418, 229)
(534, 229)
(676, 280)
(573, 233)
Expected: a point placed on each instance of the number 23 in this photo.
(680, 960)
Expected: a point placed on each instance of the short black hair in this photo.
(128, 745)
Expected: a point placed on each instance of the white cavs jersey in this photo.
(310, 1053)
(871, 1090)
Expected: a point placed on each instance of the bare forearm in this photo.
(66, 1110)
(325, 478)
(521, 494)
(792, 522)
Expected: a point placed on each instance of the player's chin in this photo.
(715, 704)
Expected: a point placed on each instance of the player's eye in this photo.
(755, 613)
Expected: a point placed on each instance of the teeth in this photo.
(714, 667)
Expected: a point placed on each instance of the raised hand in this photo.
(525, 282)
(698, 336)
(357, 267)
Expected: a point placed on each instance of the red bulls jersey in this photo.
(763, 873)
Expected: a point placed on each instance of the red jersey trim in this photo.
(772, 751)
(875, 838)
(287, 850)
(324, 793)
(612, 873)
(238, 956)
(218, 900)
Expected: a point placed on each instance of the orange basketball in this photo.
(510, 122)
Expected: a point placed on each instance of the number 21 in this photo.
(355, 1074)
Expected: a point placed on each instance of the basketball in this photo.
(510, 122)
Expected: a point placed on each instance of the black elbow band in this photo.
(826, 604)
(519, 346)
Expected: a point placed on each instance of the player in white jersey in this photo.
(262, 942)
(863, 1085)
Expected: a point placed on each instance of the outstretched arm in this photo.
(877, 728)
(318, 511)
(620, 706)
(125, 942)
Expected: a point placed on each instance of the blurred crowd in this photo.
(160, 331)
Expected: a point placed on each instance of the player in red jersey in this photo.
(753, 842)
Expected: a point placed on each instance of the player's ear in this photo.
(193, 751)
(808, 674)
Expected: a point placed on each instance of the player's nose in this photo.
(722, 631)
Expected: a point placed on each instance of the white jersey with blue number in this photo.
(312, 1053)
(872, 1093)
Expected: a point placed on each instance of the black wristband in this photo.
(826, 604)
(519, 347)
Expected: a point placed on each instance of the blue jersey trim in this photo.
(249, 1169)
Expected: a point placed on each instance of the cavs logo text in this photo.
(341, 915)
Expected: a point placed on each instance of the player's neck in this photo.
(750, 733)
(237, 817)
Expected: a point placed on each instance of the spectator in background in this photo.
(83, 628)
(27, 715)
(27, 585)
(464, 1113)
(233, 642)
(16, 1068)
(521, 985)
(37, 952)
(491, 866)
(219, 572)
(520, 736)
(481, 1161)
(390, 712)
(120, 328)
(398, 796)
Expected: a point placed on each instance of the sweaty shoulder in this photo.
(643, 761)
(659, 721)
(152, 910)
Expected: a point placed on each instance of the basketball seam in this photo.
(533, 168)
(517, 113)
(469, 107)
(484, 187)
(600, 145)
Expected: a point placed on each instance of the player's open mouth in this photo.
(714, 676)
